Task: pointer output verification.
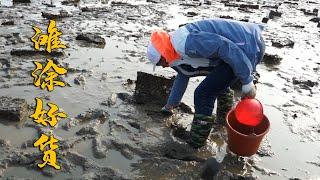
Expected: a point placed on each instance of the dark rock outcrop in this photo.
(152, 89)
(13, 108)
(280, 43)
(273, 14)
(271, 59)
(92, 38)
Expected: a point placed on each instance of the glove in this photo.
(167, 110)
(248, 90)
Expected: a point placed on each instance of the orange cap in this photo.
(161, 41)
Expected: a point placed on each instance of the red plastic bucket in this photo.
(244, 140)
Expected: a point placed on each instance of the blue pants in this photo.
(211, 87)
(215, 83)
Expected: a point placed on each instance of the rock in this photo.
(27, 144)
(152, 89)
(207, 2)
(211, 169)
(79, 80)
(310, 13)
(70, 2)
(318, 24)
(13, 108)
(134, 124)
(280, 43)
(92, 38)
(94, 114)
(60, 15)
(227, 4)
(304, 83)
(180, 151)
(273, 14)
(88, 130)
(249, 6)
(126, 97)
(33, 52)
(270, 6)
(191, 14)
(226, 175)
(271, 59)
(108, 173)
(121, 3)
(315, 19)
(99, 150)
(21, 1)
(23, 159)
(80, 160)
(4, 143)
(265, 20)
(112, 100)
(292, 25)
(185, 108)
(191, 4)
(153, 1)
(291, 3)
(226, 17)
(7, 23)
(265, 149)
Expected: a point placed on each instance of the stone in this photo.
(249, 6)
(152, 89)
(210, 169)
(92, 38)
(94, 114)
(153, 1)
(21, 1)
(33, 52)
(315, 19)
(70, 2)
(99, 150)
(207, 2)
(291, 3)
(79, 80)
(292, 25)
(60, 15)
(191, 14)
(226, 175)
(304, 83)
(88, 130)
(265, 20)
(27, 144)
(112, 100)
(15, 109)
(226, 17)
(185, 108)
(227, 4)
(273, 14)
(4, 143)
(126, 97)
(8, 23)
(271, 59)
(309, 12)
(191, 4)
(280, 43)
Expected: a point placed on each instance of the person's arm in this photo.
(178, 89)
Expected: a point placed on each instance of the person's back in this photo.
(247, 36)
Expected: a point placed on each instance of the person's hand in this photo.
(248, 90)
(167, 110)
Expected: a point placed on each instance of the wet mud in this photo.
(114, 129)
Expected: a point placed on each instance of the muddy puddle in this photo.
(107, 135)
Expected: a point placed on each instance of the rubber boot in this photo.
(224, 104)
(200, 130)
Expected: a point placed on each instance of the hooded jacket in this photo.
(208, 43)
